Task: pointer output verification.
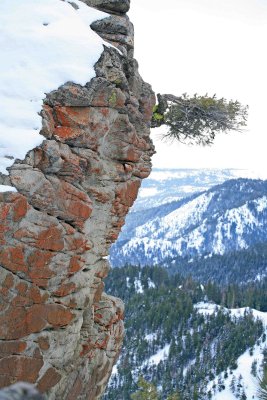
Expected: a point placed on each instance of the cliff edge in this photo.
(58, 329)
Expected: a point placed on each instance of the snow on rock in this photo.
(55, 233)
(43, 45)
(6, 188)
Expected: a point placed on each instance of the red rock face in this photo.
(58, 329)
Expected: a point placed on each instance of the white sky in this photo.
(207, 46)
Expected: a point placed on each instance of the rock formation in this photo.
(58, 329)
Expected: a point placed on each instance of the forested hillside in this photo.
(184, 336)
(240, 266)
(227, 218)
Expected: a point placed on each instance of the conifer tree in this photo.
(262, 390)
(233, 384)
(198, 119)
(146, 391)
(174, 396)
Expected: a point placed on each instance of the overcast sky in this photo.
(207, 46)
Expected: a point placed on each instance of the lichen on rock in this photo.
(58, 329)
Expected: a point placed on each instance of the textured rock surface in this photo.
(58, 329)
(113, 6)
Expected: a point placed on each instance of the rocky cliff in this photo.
(58, 329)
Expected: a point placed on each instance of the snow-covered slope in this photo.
(43, 45)
(228, 217)
(241, 381)
(167, 185)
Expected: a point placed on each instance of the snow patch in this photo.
(151, 284)
(114, 370)
(138, 286)
(5, 188)
(261, 203)
(150, 337)
(160, 355)
(207, 308)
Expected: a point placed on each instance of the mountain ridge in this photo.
(227, 217)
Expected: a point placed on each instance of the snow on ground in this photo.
(138, 286)
(237, 312)
(245, 361)
(210, 308)
(43, 44)
(207, 308)
(261, 203)
(244, 369)
(159, 356)
(172, 224)
(151, 284)
(186, 215)
(150, 337)
(240, 220)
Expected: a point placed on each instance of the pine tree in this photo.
(174, 396)
(197, 119)
(195, 393)
(254, 368)
(262, 390)
(233, 384)
(146, 391)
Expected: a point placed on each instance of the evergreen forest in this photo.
(171, 344)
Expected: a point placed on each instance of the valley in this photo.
(192, 270)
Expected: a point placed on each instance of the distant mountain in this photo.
(168, 185)
(226, 218)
